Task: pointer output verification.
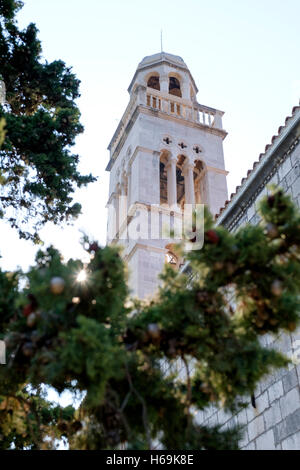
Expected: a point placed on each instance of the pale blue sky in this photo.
(243, 55)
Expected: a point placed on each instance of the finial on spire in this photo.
(161, 40)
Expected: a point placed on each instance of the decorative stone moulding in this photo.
(167, 139)
(197, 149)
(182, 145)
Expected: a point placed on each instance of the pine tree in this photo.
(38, 172)
(122, 355)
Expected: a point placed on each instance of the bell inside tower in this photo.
(174, 87)
(153, 82)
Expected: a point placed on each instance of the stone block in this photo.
(250, 446)
(288, 427)
(290, 402)
(290, 380)
(275, 391)
(213, 421)
(295, 155)
(273, 415)
(245, 439)
(292, 442)
(296, 337)
(241, 418)
(256, 427)
(252, 413)
(292, 175)
(262, 402)
(280, 432)
(284, 169)
(224, 416)
(251, 212)
(284, 184)
(267, 381)
(296, 188)
(274, 377)
(255, 220)
(266, 441)
(232, 423)
(283, 343)
(273, 180)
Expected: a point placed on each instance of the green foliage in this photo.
(145, 369)
(26, 417)
(38, 172)
(2, 137)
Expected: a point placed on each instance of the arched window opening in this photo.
(125, 185)
(199, 167)
(123, 199)
(153, 82)
(174, 87)
(199, 182)
(180, 181)
(180, 187)
(163, 179)
(117, 206)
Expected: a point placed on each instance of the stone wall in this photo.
(274, 423)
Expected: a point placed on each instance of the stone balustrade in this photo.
(179, 107)
(168, 104)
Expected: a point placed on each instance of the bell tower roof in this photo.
(161, 59)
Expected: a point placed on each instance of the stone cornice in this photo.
(146, 207)
(138, 149)
(263, 170)
(142, 109)
(217, 170)
(172, 117)
(144, 247)
(122, 139)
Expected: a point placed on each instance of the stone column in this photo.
(164, 83)
(189, 183)
(140, 92)
(123, 203)
(197, 192)
(185, 90)
(218, 120)
(172, 183)
(112, 217)
(128, 188)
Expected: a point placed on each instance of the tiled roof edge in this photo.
(268, 149)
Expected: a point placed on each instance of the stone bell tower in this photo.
(167, 151)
